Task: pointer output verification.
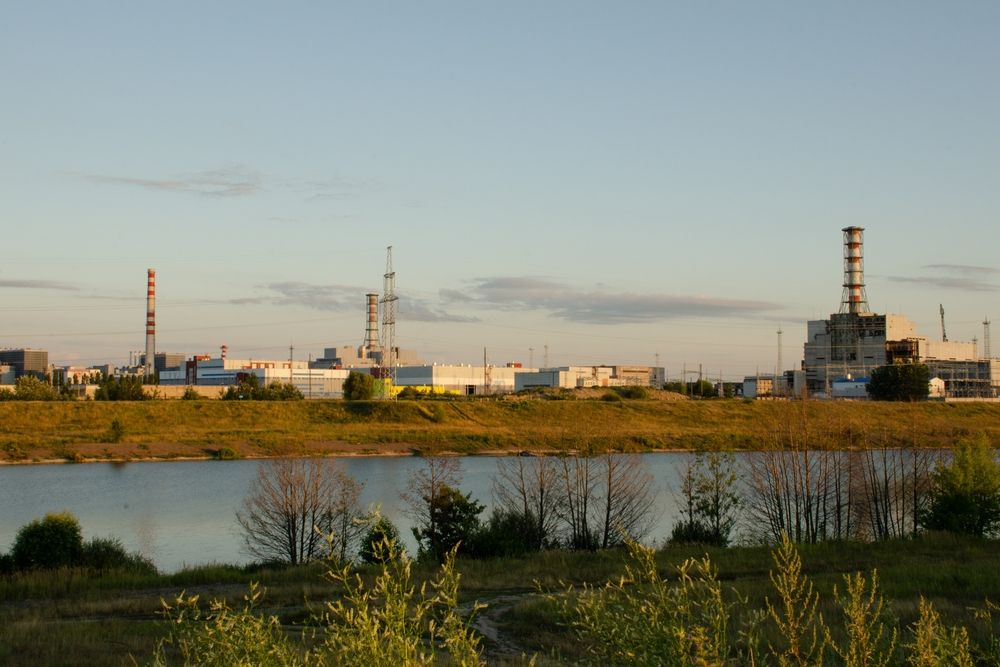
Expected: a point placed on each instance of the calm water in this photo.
(183, 512)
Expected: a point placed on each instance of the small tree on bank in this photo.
(55, 541)
(359, 386)
(965, 494)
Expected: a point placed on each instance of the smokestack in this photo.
(371, 333)
(224, 351)
(854, 299)
(150, 321)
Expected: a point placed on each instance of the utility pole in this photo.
(531, 357)
(291, 357)
(310, 375)
(986, 339)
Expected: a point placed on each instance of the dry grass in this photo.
(170, 429)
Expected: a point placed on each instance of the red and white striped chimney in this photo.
(150, 321)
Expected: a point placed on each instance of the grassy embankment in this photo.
(68, 618)
(169, 429)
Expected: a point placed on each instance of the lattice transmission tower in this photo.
(389, 303)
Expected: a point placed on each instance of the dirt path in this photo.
(498, 646)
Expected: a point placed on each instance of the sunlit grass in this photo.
(198, 428)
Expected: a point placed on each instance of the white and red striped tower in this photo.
(855, 299)
(150, 321)
(371, 332)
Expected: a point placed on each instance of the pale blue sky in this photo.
(615, 180)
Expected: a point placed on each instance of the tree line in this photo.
(602, 500)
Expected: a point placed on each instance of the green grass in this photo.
(167, 429)
(73, 617)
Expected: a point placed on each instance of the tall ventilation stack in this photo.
(855, 299)
(371, 332)
(150, 321)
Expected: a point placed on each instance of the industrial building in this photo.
(462, 379)
(574, 377)
(224, 372)
(26, 361)
(370, 353)
(855, 341)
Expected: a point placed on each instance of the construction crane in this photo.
(944, 336)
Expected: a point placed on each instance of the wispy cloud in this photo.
(37, 284)
(964, 268)
(947, 282)
(595, 306)
(966, 277)
(235, 181)
(240, 181)
(345, 298)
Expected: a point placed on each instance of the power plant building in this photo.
(220, 372)
(580, 377)
(852, 343)
(462, 379)
(26, 361)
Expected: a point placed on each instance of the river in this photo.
(182, 513)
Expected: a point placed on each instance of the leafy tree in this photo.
(30, 388)
(108, 553)
(55, 541)
(125, 388)
(381, 532)
(249, 388)
(965, 494)
(455, 520)
(709, 500)
(359, 386)
(507, 534)
(899, 382)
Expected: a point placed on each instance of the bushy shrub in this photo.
(55, 541)
(250, 389)
(116, 431)
(6, 564)
(226, 454)
(611, 397)
(191, 394)
(505, 535)
(695, 532)
(382, 532)
(108, 553)
(359, 386)
(632, 392)
(126, 388)
(965, 494)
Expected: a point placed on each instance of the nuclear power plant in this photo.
(839, 355)
(841, 352)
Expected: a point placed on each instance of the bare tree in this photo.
(577, 479)
(293, 505)
(604, 499)
(893, 489)
(528, 486)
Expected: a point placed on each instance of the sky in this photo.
(624, 182)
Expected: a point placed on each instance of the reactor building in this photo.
(853, 342)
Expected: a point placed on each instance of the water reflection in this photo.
(183, 512)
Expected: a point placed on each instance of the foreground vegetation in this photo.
(77, 616)
(97, 430)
